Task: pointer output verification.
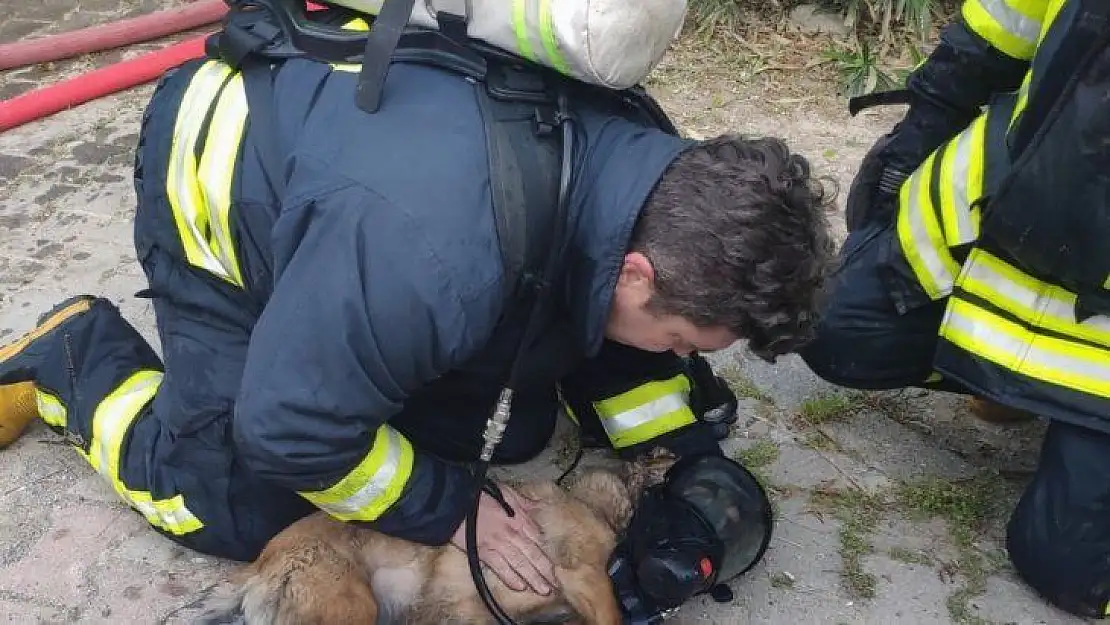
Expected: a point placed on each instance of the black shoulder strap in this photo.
(524, 165)
(380, 44)
(258, 83)
(527, 161)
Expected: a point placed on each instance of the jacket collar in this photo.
(621, 165)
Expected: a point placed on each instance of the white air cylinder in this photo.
(612, 43)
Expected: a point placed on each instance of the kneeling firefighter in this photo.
(364, 235)
(977, 263)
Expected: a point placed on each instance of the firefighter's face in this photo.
(632, 323)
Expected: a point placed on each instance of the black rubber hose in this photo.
(472, 551)
(554, 255)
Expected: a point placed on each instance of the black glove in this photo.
(945, 94)
(696, 439)
(873, 194)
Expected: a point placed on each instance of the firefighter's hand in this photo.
(923, 129)
(510, 546)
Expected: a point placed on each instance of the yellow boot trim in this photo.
(18, 406)
(51, 322)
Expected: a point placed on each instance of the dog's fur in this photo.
(322, 571)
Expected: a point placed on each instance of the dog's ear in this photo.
(650, 468)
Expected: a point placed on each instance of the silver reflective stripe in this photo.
(1035, 302)
(377, 485)
(114, 416)
(1015, 23)
(1009, 346)
(965, 230)
(112, 420)
(182, 167)
(170, 516)
(217, 167)
(50, 409)
(624, 421)
(923, 246)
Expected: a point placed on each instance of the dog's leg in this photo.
(303, 579)
(590, 592)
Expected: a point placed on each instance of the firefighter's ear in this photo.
(637, 272)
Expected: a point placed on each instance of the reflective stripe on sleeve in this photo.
(646, 411)
(921, 237)
(374, 485)
(1011, 26)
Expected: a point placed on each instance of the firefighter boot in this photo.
(992, 412)
(18, 362)
(17, 408)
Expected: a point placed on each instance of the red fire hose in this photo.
(113, 35)
(92, 85)
(51, 99)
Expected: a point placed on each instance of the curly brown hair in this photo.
(738, 234)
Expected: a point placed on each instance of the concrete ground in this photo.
(890, 507)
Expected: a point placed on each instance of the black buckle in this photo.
(878, 98)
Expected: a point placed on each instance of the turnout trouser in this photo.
(1059, 532)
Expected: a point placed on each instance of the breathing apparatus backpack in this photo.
(530, 140)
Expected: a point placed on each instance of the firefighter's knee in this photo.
(1058, 538)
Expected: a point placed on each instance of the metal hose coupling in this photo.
(495, 425)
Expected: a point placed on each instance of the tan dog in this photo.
(320, 571)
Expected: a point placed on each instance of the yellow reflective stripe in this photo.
(961, 183)
(644, 412)
(1051, 11)
(1009, 345)
(1003, 26)
(1032, 9)
(374, 485)
(112, 420)
(357, 24)
(200, 192)
(566, 405)
(217, 171)
(1037, 303)
(51, 410)
(921, 237)
(550, 43)
(182, 186)
(520, 29)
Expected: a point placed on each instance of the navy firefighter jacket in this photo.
(377, 271)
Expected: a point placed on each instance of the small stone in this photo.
(810, 18)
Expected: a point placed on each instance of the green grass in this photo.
(909, 556)
(968, 506)
(782, 580)
(758, 455)
(741, 384)
(826, 408)
(858, 513)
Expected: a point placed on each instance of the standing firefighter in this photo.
(986, 271)
(337, 288)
